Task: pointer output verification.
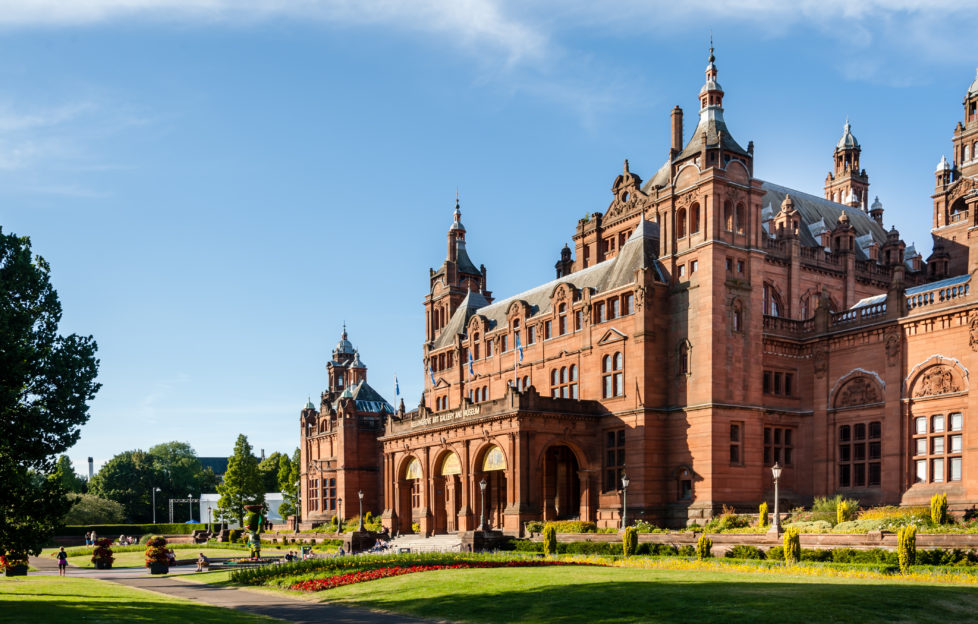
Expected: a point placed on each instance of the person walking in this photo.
(62, 561)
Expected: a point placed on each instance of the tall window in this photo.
(563, 382)
(489, 348)
(937, 447)
(329, 494)
(741, 219)
(860, 452)
(614, 459)
(504, 343)
(516, 332)
(629, 305)
(613, 308)
(611, 369)
(694, 219)
(578, 320)
(546, 330)
(313, 494)
(475, 347)
(778, 448)
(736, 443)
(772, 301)
(727, 217)
(531, 334)
(681, 223)
(683, 356)
(599, 312)
(416, 493)
(562, 319)
(737, 317)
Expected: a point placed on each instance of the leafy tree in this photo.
(242, 483)
(90, 509)
(46, 383)
(268, 468)
(65, 473)
(288, 479)
(179, 472)
(128, 479)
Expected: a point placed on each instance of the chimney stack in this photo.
(91, 468)
(677, 131)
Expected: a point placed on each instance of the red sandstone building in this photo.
(706, 325)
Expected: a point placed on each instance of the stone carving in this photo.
(640, 294)
(858, 391)
(892, 348)
(820, 363)
(936, 380)
(973, 331)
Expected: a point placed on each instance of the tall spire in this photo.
(711, 95)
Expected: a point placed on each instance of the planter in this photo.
(159, 568)
(103, 565)
(18, 570)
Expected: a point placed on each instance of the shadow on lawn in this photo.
(24, 610)
(643, 601)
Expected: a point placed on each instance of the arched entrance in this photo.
(448, 494)
(492, 470)
(409, 495)
(561, 484)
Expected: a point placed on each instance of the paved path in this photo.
(295, 610)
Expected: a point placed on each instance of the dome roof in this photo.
(877, 204)
(357, 362)
(309, 404)
(943, 165)
(344, 345)
(847, 140)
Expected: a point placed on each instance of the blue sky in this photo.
(219, 184)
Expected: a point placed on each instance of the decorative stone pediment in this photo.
(858, 391)
(627, 190)
(936, 376)
(612, 335)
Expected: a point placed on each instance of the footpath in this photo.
(284, 608)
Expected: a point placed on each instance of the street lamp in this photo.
(339, 515)
(190, 506)
(776, 473)
(298, 504)
(482, 516)
(624, 500)
(360, 494)
(155, 490)
(209, 527)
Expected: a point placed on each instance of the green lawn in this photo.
(592, 595)
(54, 600)
(138, 559)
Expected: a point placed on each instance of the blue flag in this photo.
(431, 371)
(397, 388)
(471, 372)
(519, 350)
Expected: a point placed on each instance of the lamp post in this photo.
(776, 473)
(339, 515)
(298, 504)
(360, 495)
(155, 490)
(190, 506)
(624, 500)
(482, 515)
(209, 527)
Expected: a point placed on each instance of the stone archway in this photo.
(410, 491)
(448, 493)
(491, 468)
(560, 476)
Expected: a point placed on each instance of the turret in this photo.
(847, 183)
(876, 210)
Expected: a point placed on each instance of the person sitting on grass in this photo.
(289, 557)
(62, 561)
(202, 562)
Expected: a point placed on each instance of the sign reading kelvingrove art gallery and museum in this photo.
(435, 419)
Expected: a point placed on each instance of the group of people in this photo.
(90, 538)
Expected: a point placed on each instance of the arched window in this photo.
(554, 384)
(485, 393)
(516, 333)
(741, 219)
(562, 319)
(694, 219)
(475, 346)
(728, 218)
(681, 223)
(611, 375)
(737, 317)
(773, 305)
(683, 356)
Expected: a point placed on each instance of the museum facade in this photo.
(705, 326)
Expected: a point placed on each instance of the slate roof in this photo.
(638, 251)
(465, 264)
(818, 214)
(367, 399)
(711, 121)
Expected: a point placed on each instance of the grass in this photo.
(54, 600)
(596, 595)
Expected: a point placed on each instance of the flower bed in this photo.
(362, 576)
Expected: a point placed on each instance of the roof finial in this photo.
(344, 330)
(626, 165)
(712, 58)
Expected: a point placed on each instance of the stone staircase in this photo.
(419, 544)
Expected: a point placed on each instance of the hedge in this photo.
(115, 530)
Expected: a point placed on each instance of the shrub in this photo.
(368, 518)
(907, 547)
(687, 550)
(534, 526)
(792, 545)
(727, 520)
(156, 550)
(762, 515)
(814, 526)
(775, 553)
(745, 551)
(234, 535)
(251, 521)
(103, 551)
(704, 547)
(574, 526)
(846, 510)
(938, 508)
(629, 541)
(641, 526)
(550, 539)
(415, 527)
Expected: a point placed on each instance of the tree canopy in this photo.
(288, 483)
(65, 473)
(46, 384)
(173, 467)
(90, 509)
(242, 484)
(268, 468)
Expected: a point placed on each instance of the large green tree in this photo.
(173, 467)
(242, 483)
(268, 468)
(89, 509)
(46, 384)
(288, 484)
(64, 472)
